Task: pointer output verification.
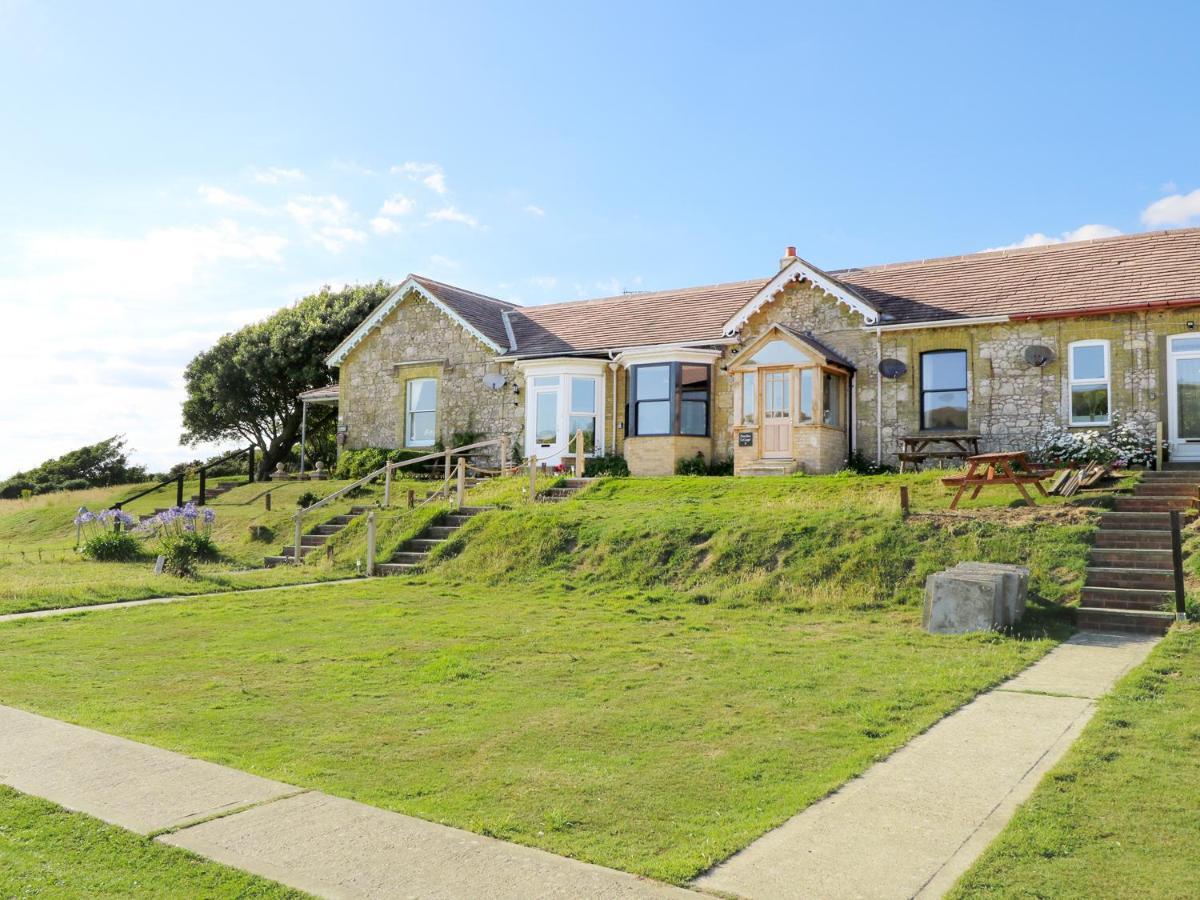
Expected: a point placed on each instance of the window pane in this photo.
(654, 418)
(653, 382)
(944, 370)
(422, 394)
(944, 410)
(779, 352)
(545, 381)
(588, 424)
(749, 398)
(1187, 378)
(693, 378)
(832, 398)
(693, 417)
(1185, 345)
(420, 429)
(806, 395)
(1088, 362)
(583, 395)
(1089, 403)
(546, 417)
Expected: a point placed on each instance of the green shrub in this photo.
(74, 484)
(691, 465)
(112, 546)
(860, 465)
(613, 466)
(355, 464)
(721, 466)
(308, 498)
(181, 551)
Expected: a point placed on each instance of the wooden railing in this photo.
(178, 479)
(580, 462)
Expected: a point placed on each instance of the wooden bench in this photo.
(992, 469)
(959, 445)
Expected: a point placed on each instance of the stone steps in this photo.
(1123, 620)
(564, 490)
(1127, 577)
(316, 537)
(414, 552)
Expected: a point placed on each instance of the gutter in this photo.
(942, 323)
(1147, 306)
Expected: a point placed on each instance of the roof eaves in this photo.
(800, 270)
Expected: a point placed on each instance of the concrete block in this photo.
(1016, 587)
(960, 602)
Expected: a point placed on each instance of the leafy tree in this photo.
(96, 465)
(247, 386)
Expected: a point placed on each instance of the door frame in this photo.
(1184, 450)
(789, 375)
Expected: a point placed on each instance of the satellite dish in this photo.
(1038, 355)
(493, 380)
(892, 368)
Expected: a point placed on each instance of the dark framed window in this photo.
(669, 398)
(944, 390)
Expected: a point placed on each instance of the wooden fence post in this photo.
(412, 498)
(387, 487)
(532, 478)
(1159, 437)
(446, 477)
(298, 536)
(504, 454)
(203, 484)
(904, 501)
(267, 500)
(1177, 565)
(179, 491)
(250, 467)
(461, 487)
(370, 543)
(579, 467)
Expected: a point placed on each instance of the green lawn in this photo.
(47, 851)
(647, 677)
(1119, 816)
(40, 569)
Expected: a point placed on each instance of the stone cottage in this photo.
(798, 369)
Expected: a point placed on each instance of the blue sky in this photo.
(171, 172)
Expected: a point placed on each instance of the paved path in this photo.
(912, 824)
(311, 841)
(125, 604)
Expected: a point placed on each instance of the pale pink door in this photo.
(777, 413)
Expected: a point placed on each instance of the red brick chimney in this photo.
(788, 258)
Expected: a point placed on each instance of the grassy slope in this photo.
(47, 851)
(1118, 816)
(648, 677)
(39, 568)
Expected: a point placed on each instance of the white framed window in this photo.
(420, 412)
(1088, 389)
(581, 416)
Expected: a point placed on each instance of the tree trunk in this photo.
(280, 446)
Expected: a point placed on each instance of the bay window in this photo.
(1088, 376)
(749, 398)
(420, 412)
(944, 390)
(671, 398)
(831, 397)
(582, 413)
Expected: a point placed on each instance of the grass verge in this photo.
(1118, 816)
(48, 851)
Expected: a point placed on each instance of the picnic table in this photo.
(954, 445)
(992, 469)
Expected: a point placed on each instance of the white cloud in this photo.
(384, 225)
(397, 205)
(1082, 233)
(453, 214)
(216, 196)
(275, 175)
(534, 210)
(429, 174)
(325, 219)
(1177, 209)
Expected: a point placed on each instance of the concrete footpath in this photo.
(176, 598)
(324, 845)
(912, 824)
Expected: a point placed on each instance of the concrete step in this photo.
(1133, 558)
(1166, 489)
(1152, 504)
(313, 540)
(360, 510)
(1123, 538)
(1137, 521)
(273, 561)
(304, 550)
(411, 557)
(440, 531)
(1125, 598)
(393, 568)
(1123, 620)
(327, 529)
(339, 520)
(1153, 477)
(1124, 577)
(456, 521)
(422, 544)
(473, 510)
(577, 483)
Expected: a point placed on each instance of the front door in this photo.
(777, 413)
(1183, 398)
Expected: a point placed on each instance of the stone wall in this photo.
(657, 454)
(419, 340)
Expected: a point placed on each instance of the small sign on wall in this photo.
(745, 438)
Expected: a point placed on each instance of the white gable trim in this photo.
(799, 270)
(371, 322)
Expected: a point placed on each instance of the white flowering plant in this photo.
(1122, 444)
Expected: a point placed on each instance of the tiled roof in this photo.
(329, 392)
(1151, 267)
(484, 313)
(630, 320)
